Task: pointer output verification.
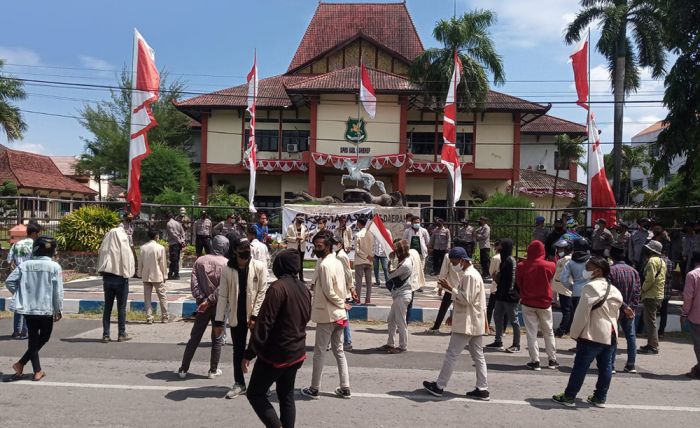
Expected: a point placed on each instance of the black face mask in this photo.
(245, 255)
(319, 253)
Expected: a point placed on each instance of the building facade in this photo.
(642, 181)
(309, 119)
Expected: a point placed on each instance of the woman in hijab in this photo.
(278, 341)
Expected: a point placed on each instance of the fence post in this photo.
(517, 233)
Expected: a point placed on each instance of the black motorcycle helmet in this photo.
(581, 245)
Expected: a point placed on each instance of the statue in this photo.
(301, 197)
(355, 173)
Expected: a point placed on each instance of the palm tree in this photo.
(468, 35)
(570, 150)
(632, 157)
(625, 25)
(11, 120)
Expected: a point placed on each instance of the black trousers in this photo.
(201, 321)
(202, 242)
(262, 378)
(174, 256)
(444, 306)
(663, 316)
(490, 306)
(301, 264)
(485, 259)
(409, 307)
(40, 328)
(438, 256)
(239, 336)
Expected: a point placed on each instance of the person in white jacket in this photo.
(418, 238)
(153, 271)
(241, 293)
(296, 236)
(351, 294)
(468, 327)
(116, 265)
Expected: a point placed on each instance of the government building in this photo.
(307, 123)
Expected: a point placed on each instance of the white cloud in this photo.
(95, 63)
(19, 56)
(28, 147)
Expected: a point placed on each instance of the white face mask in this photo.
(587, 274)
(561, 253)
(457, 267)
(416, 226)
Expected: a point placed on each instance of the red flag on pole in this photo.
(381, 236)
(367, 94)
(601, 195)
(449, 156)
(145, 84)
(579, 61)
(251, 152)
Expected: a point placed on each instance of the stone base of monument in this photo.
(356, 196)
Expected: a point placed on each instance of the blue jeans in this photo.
(347, 334)
(19, 325)
(565, 306)
(385, 267)
(627, 326)
(586, 352)
(115, 286)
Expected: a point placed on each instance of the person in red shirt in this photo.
(534, 279)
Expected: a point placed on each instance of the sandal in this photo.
(39, 376)
(385, 348)
(19, 371)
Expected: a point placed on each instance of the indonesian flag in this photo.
(251, 152)
(145, 84)
(367, 94)
(449, 156)
(579, 61)
(599, 192)
(381, 234)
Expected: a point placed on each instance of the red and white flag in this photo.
(449, 156)
(144, 92)
(579, 61)
(381, 234)
(367, 94)
(599, 192)
(251, 154)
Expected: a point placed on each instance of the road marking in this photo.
(422, 397)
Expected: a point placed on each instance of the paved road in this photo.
(133, 385)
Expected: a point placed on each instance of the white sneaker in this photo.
(235, 391)
(213, 374)
(432, 332)
(181, 374)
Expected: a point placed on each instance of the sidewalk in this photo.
(86, 295)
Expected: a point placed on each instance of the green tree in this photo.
(625, 25)
(166, 167)
(8, 207)
(632, 157)
(507, 223)
(11, 120)
(681, 138)
(570, 150)
(469, 36)
(107, 150)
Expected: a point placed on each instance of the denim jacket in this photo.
(37, 285)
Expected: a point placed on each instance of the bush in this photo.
(220, 196)
(84, 228)
(513, 224)
(166, 167)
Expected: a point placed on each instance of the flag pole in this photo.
(589, 198)
(134, 59)
(359, 96)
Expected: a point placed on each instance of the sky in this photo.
(209, 45)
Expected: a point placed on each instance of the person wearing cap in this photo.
(690, 312)
(152, 269)
(626, 279)
(539, 233)
(636, 243)
(37, 285)
(296, 236)
(482, 235)
(176, 242)
(622, 237)
(563, 251)
(553, 237)
(534, 277)
(204, 283)
(688, 244)
(399, 284)
(468, 328)
(602, 239)
(225, 227)
(241, 293)
(186, 222)
(465, 237)
(452, 273)
(240, 227)
(20, 252)
(116, 264)
(652, 294)
(573, 275)
(202, 231)
(440, 242)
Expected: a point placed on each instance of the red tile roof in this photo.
(498, 101)
(539, 183)
(657, 126)
(348, 79)
(33, 171)
(553, 125)
(389, 24)
(271, 93)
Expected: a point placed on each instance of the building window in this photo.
(423, 143)
(300, 138)
(64, 208)
(31, 205)
(637, 183)
(267, 201)
(561, 163)
(266, 139)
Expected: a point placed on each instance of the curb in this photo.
(185, 308)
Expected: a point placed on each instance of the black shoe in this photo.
(534, 365)
(310, 393)
(558, 333)
(648, 350)
(343, 393)
(513, 349)
(630, 369)
(432, 388)
(553, 364)
(478, 394)
(495, 345)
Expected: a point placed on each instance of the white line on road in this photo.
(354, 394)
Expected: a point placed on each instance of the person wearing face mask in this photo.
(636, 243)
(399, 284)
(418, 239)
(483, 238)
(330, 315)
(602, 239)
(552, 238)
(450, 272)
(440, 242)
(563, 251)
(241, 293)
(297, 233)
(655, 272)
(540, 232)
(507, 297)
(202, 230)
(572, 276)
(364, 257)
(623, 237)
(278, 341)
(595, 330)
(468, 328)
(343, 233)
(626, 279)
(351, 294)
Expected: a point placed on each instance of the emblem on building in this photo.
(355, 130)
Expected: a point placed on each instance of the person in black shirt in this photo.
(553, 237)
